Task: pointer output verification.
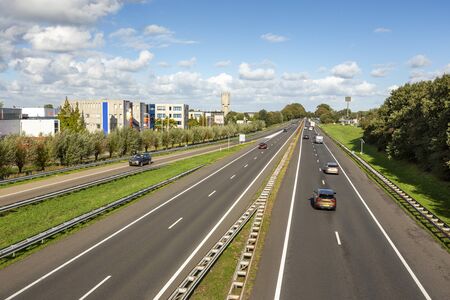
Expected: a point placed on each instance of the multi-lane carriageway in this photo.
(367, 249)
(144, 250)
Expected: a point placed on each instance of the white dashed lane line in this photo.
(175, 223)
(337, 238)
(246, 165)
(212, 193)
(232, 176)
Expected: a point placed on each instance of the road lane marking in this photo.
(232, 176)
(123, 229)
(245, 165)
(320, 170)
(205, 239)
(175, 223)
(390, 242)
(337, 238)
(317, 160)
(288, 229)
(315, 154)
(262, 152)
(255, 157)
(95, 287)
(212, 193)
(323, 182)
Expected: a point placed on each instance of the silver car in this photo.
(331, 168)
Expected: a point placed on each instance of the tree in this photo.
(19, 146)
(187, 136)
(70, 118)
(165, 139)
(156, 140)
(112, 142)
(147, 137)
(129, 141)
(98, 141)
(48, 105)
(5, 158)
(40, 153)
(176, 136)
(322, 109)
(192, 123)
(293, 111)
(230, 117)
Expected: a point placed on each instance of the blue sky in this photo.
(266, 53)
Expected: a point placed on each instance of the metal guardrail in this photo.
(107, 161)
(72, 189)
(441, 229)
(12, 249)
(187, 286)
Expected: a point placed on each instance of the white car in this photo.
(331, 168)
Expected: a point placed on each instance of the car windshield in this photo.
(326, 196)
(137, 156)
(332, 165)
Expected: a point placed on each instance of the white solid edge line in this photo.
(212, 193)
(288, 229)
(123, 228)
(175, 223)
(95, 287)
(337, 238)
(391, 243)
(184, 264)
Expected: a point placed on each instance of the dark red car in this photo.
(262, 146)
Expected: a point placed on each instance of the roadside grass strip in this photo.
(431, 192)
(31, 220)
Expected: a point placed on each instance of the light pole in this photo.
(362, 143)
(348, 100)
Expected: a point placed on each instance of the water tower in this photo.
(225, 101)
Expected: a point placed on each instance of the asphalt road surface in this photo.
(367, 249)
(44, 186)
(144, 250)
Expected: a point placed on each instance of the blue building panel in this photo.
(105, 117)
(151, 114)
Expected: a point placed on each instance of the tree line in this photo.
(70, 147)
(414, 124)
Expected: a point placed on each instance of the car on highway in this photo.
(331, 168)
(140, 159)
(324, 199)
(306, 137)
(262, 145)
(285, 130)
(318, 139)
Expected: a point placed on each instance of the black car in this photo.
(306, 137)
(140, 159)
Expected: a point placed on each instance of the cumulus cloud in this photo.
(187, 63)
(164, 64)
(382, 30)
(61, 11)
(222, 63)
(347, 69)
(247, 73)
(222, 80)
(122, 64)
(61, 38)
(123, 32)
(419, 61)
(156, 30)
(273, 38)
(381, 70)
(295, 76)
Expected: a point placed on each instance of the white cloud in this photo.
(222, 63)
(156, 30)
(61, 38)
(187, 63)
(419, 61)
(246, 72)
(381, 70)
(122, 64)
(382, 30)
(347, 69)
(273, 38)
(60, 11)
(223, 81)
(295, 76)
(123, 32)
(164, 64)
(392, 88)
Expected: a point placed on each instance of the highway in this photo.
(367, 249)
(145, 249)
(44, 186)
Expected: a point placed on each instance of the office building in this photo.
(208, 118)
(177, 112)
(35, 122)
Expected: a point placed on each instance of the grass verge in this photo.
(216, 283)
(27, 221)
(428, 190)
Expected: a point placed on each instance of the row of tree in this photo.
(71, 147)
(414, 124)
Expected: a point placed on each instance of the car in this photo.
(324, 199)
(284, 130)
(318, 139)
(306, 137)
(331, 168)
(140, 159)
(262, 146)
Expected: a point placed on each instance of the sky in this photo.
(265, 53)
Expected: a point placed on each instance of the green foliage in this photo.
(98, 142)
(129, 141)
(413, 125)
(70, 118)
(40, 153)
(176, 136)
(48, 105)
(112, 143)
(5, 158)
(192, 123)
(293, 111)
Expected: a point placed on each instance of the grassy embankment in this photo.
(428, 190)
(29, 220)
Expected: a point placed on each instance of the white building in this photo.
(37, 121)
(177, 112)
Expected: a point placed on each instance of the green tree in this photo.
(70, 118)
(147, 137)
(165, 139)
(18, 146)
(176, 136)
(41, 153)
(5, 158)
(48, 105)
(187, 136)
(112, 142)
(98, 141)
(192, 123)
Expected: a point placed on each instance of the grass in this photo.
(216, 283)
(28, 221)
(427, 189)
